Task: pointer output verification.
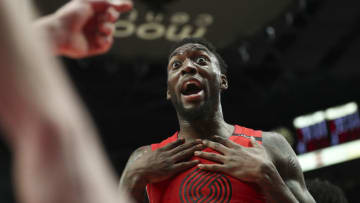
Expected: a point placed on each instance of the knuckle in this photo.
(232, 153)
(167, 162)
(183, 153)
(161, 156)
(219, 139)
(191, 144)
(190, 151)
(236, 146)
(196, 147)
(186, 145)
(230, 159)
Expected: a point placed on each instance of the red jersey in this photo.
(196, 185)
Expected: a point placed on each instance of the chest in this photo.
(196, 185)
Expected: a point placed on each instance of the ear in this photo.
(224, 82)
(168, 96)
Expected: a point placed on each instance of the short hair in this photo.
(208, 45)
(325, 192)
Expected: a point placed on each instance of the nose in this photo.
(189, 68)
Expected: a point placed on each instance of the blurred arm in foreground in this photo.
(57, 154)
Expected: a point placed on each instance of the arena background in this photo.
(288, 60)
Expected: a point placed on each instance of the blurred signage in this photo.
(330, 156)
(146, 33)
(327, 128)
(181, 25)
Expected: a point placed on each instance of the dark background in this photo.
(302, 59)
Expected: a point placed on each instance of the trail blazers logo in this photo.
(205, 187)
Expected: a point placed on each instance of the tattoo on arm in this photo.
(139, 194)
(288, 167)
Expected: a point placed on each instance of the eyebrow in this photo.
(193, 49)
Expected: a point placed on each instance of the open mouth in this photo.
(191, 88)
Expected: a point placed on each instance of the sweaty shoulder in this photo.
(276, 145)
(283, 156)
(139, 152)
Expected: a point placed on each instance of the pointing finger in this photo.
(118, 5)
(107, 28)
(112, 14)
(121, 5)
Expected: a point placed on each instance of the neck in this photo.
(206, 127)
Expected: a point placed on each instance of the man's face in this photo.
(194, 80)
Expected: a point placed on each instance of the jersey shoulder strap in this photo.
(171, 139)
(242, 135)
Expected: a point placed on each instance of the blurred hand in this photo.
(83, 28)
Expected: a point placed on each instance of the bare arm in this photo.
(132, 182)
(273, 166)
(146, 166)
(57, 155)
(83, 28)
(284, 181)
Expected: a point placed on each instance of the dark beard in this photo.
(202, 112)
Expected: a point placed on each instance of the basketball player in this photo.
(57, 157)
(208, 159)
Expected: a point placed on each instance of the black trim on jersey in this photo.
(241, 135)
(246, 136)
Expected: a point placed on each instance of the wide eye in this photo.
(176, 64)
(201, 60)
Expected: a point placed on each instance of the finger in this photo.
(213, 167)
(172, 145)
(100, 45)
(184, 165)
(210, 156)
(187, 153)
(107, 28)
(112, 14)
(104, 42)
(216, 146)
(121, 5)
(186, 146)
(225, 141)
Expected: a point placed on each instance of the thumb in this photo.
(119, 5)
(253, 142)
